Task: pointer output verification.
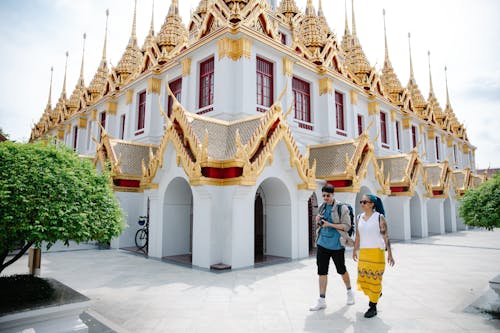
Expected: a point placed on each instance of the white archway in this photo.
(177, 219)
(276, 218)
(416, 217)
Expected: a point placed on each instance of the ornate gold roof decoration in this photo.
(129, 65)
(43, 124)
(288, 10)
(235, 153)
(417, 99)
(78, 99)
(344, 164)
(173, 33)
(401, 171)
(433, 111)
(475, 180)
(392, 85)
(311, 32)
(150, 48)
(124, 161)
(460, 180)
(451, 123)
(58, 114)
(437, 176)
(97, 86)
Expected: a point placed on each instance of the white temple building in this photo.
(223, 133)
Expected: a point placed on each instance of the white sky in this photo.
(461, 34)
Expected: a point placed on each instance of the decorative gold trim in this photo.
(421, 127)
(449, 141)
(393, 115)
(354, 97)
(373, 108)
(93, 115)
(325, 86)
(60, 134)
(465, 149)
(234, 49)
(406, 122)
(82, 123)
(111, 107)
(431, 133)
(68, 128)
(154, 85)
(129, 97)
(186, 66)
(287, 67)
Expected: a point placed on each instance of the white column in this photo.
(155, 240)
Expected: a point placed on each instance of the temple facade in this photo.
(223, 132)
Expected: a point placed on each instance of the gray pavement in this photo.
(430, 289)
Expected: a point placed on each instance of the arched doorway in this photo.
(177, 240)
(272, 222)
(416, 217)
(259, 227)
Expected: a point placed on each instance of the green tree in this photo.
(480, 206)
(49, 194)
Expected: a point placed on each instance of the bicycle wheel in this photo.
(141, 238)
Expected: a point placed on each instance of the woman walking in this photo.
(372, 238)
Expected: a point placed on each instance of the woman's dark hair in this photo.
(328, 188)
(377, 203)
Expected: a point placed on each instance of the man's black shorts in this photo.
(323, 256)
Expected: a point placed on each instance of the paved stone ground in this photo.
(430, 289)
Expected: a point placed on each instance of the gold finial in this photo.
(103, 60)
(353, 21)
(412, 76)
(133, 36)
(346, 29)
(431, 89)
(152, 28)
(174, 8)
(65, 70)
(83, 58)
(387, 62)
(320, 9)
(310, 8)
(50, 87)
(448, 104)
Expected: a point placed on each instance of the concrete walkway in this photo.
(434, 282)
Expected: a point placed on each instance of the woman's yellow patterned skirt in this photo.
(371, 267)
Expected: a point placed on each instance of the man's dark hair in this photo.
(328, 188)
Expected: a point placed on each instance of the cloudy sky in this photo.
(460, 34)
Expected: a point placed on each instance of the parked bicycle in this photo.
(141, 236)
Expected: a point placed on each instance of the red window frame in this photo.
(122, 126)
(414, 136)
(438, 157)
(398, 138)
(383, 129)
(360, 124)
(206, 91)
(75, 137)
(265, 82)
(176, 88)
(339, 111)
(302, 99)
(141, 110)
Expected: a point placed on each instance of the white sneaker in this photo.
(350, 297)
(321, 304)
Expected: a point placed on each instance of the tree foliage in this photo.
(49, 194)
(480, 207)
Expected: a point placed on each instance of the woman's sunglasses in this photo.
(364, 202)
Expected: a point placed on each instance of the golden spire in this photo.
(390, 81)
(79, 92)
(151, 34)
(347, 38)
(64, 81)
(417, 99)
(433, 102)
(431, 88)
(49, 103)
(412, 76)
(448, 104)
(173, 32)
(354, 35)
(312, 33)
(83, 59)
(130, 60)
(358, 63)
(96, 87)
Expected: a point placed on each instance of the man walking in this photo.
(331, 241)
